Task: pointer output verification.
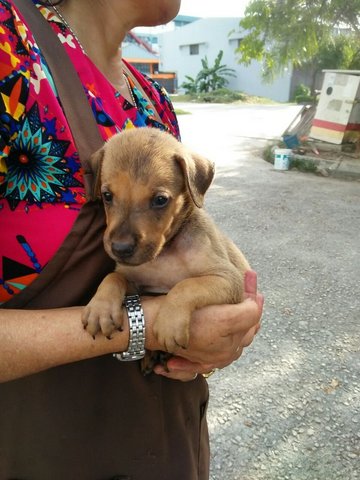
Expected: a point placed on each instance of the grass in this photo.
(223, 95)
(181, 98)
(179, 111)
(303, 165)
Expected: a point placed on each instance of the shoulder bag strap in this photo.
(70, 90)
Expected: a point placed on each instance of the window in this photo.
(235, 42)
(194, 49)
(142, 67)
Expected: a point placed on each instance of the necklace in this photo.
(68, 26)
(130, 90)
(65, 22)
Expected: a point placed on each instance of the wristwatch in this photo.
(135, 314)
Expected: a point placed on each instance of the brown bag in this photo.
(97, 419)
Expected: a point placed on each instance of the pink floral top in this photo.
(41, 185)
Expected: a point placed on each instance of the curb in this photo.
(342, 168)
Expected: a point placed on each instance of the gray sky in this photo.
(213, 8)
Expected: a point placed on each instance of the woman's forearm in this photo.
(35, 340)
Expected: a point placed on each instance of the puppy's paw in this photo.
(102, 315)
(172, 331)
(154, 358)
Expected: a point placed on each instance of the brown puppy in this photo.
(162, 241)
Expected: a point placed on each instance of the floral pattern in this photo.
(37, 168)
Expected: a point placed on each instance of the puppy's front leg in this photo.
(172, 324)
(103, 312)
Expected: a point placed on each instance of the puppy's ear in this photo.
(198, 173)
(96, 161)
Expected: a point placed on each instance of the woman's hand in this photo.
(218, 335)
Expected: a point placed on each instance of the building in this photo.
(140, 53)
(141, 49)
(150, 35)
(170, 52)
(182, 49)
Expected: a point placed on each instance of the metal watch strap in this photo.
(136, 348)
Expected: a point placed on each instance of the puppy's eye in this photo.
(159, 201)
(107, 196)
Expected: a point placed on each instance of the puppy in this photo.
(159, 236)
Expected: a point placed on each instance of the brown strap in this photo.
(70, 90)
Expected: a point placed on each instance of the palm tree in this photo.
(213, 77)
(190, 85)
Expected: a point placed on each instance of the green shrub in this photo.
(302, 94)
(223, 95)
(268, 153)
(301, 164)
(304, 165)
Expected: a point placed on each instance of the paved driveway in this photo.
(290, 408)
(213, 127)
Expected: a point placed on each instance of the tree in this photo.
(301, 33)
(189, 85)
(341, 51)
(213, 77)
(209, 78)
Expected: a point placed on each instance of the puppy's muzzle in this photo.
(123, 249)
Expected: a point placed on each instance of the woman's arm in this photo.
(35, 340)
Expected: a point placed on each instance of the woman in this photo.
(68, 408)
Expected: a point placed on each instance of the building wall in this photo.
(212, 35)
(148, 64)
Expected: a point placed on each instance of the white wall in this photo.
(212, 35)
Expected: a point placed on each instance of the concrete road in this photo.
(290, 407)
(237, 127)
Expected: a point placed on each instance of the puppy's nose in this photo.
(123, 249)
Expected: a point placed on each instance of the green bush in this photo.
(302, 94)
(304, 165)
(223, 95)
(301, 164)
(268, 153)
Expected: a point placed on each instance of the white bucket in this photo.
(282, 158)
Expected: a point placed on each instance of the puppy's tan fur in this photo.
(161, 239)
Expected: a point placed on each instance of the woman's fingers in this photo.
(176, 375)
(239, 318)
(218, 335)
(180, 363)
(250, 283)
